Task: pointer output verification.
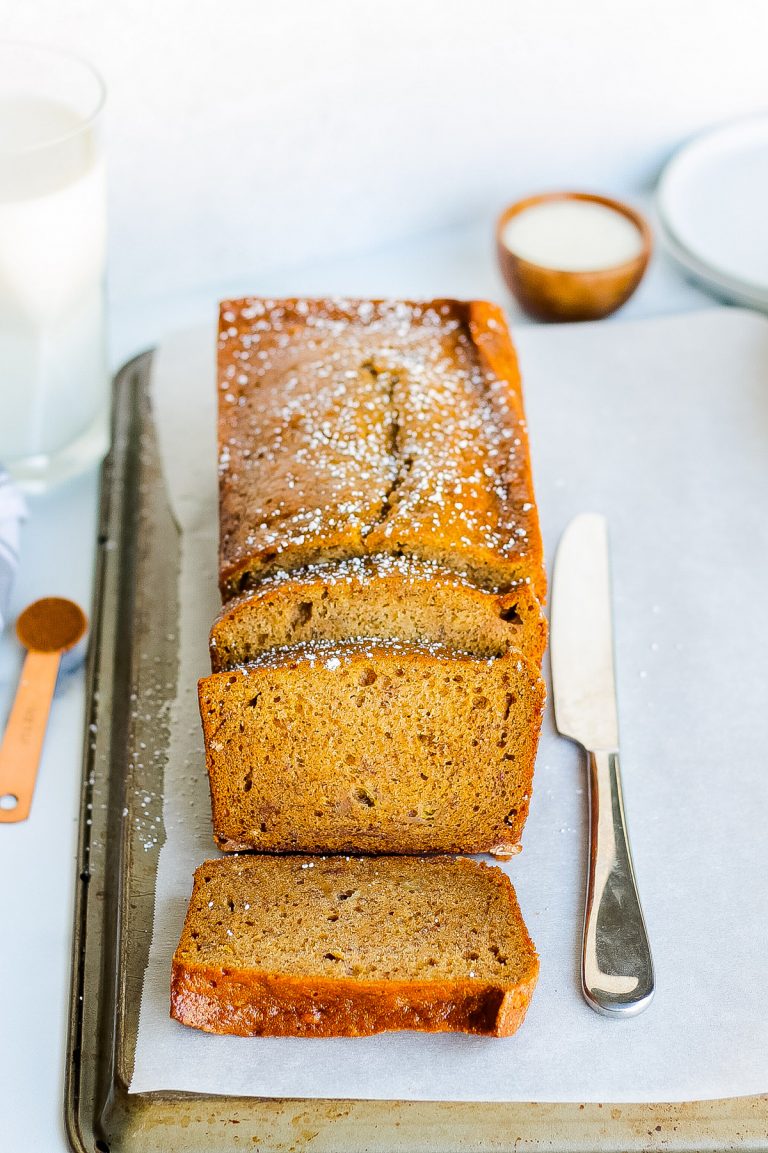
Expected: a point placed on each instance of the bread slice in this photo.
(345, 947)
(357, 427)
(372, 747)
(392, 598)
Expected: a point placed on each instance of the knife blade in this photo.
(617, 974)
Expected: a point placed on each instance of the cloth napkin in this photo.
(12, 511)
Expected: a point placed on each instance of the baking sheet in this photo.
(663, 426)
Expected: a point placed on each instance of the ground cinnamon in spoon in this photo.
(51, 625)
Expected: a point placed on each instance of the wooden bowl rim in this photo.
(615, 270)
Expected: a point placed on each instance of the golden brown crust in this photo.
(389, 598)
(366, 746)
(247, 1004)
(217, 988)
(355, 427)
(492, 338)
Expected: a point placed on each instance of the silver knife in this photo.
(616, 966)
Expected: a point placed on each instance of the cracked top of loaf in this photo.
(350, 428)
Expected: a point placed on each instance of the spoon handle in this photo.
(24, 734)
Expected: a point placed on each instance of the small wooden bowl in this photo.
(557, 294)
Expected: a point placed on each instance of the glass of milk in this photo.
(54, 383)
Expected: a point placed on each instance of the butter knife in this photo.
(617, 976)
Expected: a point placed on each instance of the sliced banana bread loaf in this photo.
(372, 746)
(392, 598)
(351, 427)
(333, 946)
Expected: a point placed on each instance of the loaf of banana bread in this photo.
(350, 428)
(344, 947)
(392, 598)
(372, 746)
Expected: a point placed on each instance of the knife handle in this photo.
(616, 965)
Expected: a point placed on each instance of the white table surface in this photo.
(37, 857)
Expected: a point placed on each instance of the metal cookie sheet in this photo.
(132, 680)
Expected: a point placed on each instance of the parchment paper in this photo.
(663, 426)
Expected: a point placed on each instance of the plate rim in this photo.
(682, 156)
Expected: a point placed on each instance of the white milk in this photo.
(572, 235)
(52, 253)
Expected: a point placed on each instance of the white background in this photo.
(246, 135)
(249, 142)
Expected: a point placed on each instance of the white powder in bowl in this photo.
(572, 235)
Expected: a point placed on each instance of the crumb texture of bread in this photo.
(392, 598)
(356, 427)
(340, 946)
(372, 747)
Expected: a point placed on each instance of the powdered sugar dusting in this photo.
(334, 655)
(359, 572)
(355, 427)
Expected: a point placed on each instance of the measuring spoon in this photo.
(47, 628)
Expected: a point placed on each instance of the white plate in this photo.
(712, 202)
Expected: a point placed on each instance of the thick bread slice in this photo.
(335, 947)
(350, 427)
(392, 598)
(372, 747)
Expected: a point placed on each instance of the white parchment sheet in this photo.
(663, 426)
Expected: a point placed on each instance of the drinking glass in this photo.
(54, 383)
